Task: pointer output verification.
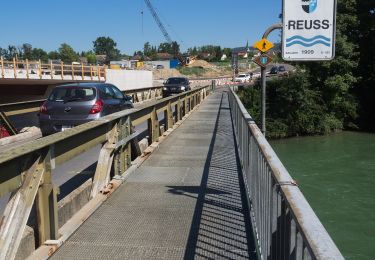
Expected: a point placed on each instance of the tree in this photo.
(366, 70)
(39, 54)
(106, 46)
(54, 55)
(67, 54)
(27, 49)
(90, 56)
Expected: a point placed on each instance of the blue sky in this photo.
(48, 23)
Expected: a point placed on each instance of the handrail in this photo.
(26, 170)
(26, 69)
(285, 225)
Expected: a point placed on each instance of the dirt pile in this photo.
(202, 63)
(166, 73)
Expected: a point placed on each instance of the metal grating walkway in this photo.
(184, 202)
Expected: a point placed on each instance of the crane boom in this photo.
(158, 22)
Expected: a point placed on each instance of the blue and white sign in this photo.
(309, 29)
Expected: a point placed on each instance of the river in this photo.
(336, 173)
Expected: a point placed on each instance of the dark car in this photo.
(175, 85)
(278, 70)
(274, 70)
(74, 104)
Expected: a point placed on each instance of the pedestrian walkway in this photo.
(186, 201)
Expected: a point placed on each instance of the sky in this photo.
(48, 23)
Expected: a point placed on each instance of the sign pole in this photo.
(263, 48)
(263, 80)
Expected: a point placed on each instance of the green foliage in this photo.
(188, 71)
(171, 48)
(67, 54)
(106, 46)
(366, 69)
(294, 107)
(90, 56)
(209, 52)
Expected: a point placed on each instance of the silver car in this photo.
(74, 104)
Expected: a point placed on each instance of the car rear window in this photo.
(176, 81)
(72, 94)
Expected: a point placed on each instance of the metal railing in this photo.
(284, 224)
(37, 70)
(26, 171)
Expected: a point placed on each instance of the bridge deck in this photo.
(186, 200)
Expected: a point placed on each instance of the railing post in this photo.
(51, 70)
(91, 72)
(72, 71)
(153, 126)
(62, 70)
(122, 159)
(178, 110)
(27, 69)
(2, 67)
(14, 68)
(98, 72)
(168, 115)
(46, 204)
(83, 72)
(186, 105)
(40, 69)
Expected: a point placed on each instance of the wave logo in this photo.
(308, 42)
(309, 6)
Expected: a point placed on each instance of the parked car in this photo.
(242, 78)
(175, 85)
(159, 67)
(74, 104)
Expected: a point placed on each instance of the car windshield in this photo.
(274, 69)
(69, 94)
(175, 81)
(242, 76)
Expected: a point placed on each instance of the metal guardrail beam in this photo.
(26, 170)
(285, 225)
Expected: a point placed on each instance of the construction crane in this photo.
(158, 22)
(163, 30)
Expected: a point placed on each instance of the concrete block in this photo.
(73, 202)
(143, 144)
(27, 245)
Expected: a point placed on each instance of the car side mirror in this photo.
(128, 98)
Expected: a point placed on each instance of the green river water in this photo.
(336, 173)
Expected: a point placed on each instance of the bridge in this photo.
(207, 186)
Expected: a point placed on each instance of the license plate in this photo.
(66, 127)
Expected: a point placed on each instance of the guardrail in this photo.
(26, 170)
(284, 223)
(17, 108)
(37, 70)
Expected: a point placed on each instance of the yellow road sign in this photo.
(263, 45)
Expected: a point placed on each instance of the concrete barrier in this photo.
(129, 79)
(73, 202)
